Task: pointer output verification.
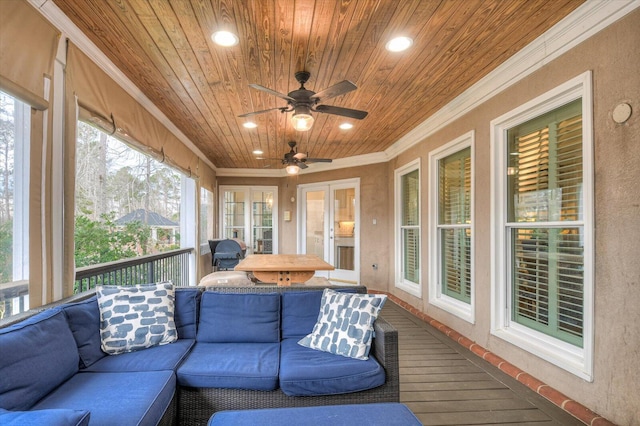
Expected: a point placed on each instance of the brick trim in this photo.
(572, 407)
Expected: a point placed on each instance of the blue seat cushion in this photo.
(380, 414)
(186, 311)
(55, 417)
(231, 365)
(239, 318)
(308, 372)
(36, 356)
(116, 398)
(84, 322)
(156, 358)
(300, 311)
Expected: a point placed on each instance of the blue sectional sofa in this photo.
(236, 349)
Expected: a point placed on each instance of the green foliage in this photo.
(102, 241)
(6, 251)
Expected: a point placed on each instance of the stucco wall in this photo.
(613, 56)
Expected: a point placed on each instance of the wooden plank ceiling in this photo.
(165, 48)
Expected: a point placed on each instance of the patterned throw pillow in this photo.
(136, 317)
(345, 324)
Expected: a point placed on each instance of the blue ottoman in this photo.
(382, 414)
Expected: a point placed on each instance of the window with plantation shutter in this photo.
(545, 222)
(408, 228)
(451, 207)
(544, 269)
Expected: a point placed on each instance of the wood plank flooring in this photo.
(443, 383)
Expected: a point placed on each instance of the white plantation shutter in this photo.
(410, 226)
(546, 223)
(454, 224)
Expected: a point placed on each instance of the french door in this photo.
(329, 226)
(251, 215)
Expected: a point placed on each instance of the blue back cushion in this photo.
(239, 318)
(300, 311)
(36, 356)
(186, 311)
(84, 322)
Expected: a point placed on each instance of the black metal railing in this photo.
(167, 266)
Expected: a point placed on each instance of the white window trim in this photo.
(576, 360)
(204, 246)
(466, 311)
(22, 156)
(410, 287)
(189, 197)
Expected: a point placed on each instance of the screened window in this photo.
(545, 223)
(14, 205)
(542, 189)
(408, 228)
(451, 217)
(127, 203)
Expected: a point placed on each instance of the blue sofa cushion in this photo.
(84, 322)
(36, 356)
(186, 311)
(239, 318)
(231, 365)
(380, 414)
(136, 317)
(157, 358)
(307, 372)
(116, 398)
(300, 311)
(55, 417)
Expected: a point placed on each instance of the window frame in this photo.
(207, 212)
(410, 287)
(463, 310)
(576, 360)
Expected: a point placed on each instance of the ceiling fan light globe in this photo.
(292, 169)
(302, 122)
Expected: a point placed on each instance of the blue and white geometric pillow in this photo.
(345, 324)
(136, 317)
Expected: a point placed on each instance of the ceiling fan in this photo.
(303, 102)
(294, 160)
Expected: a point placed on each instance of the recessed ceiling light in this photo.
(257, 151)
(225, 38)
(250, 125)
(399, 44)
(346, 126)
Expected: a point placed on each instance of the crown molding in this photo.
(584, 22)
(340, 163)
(53, 14)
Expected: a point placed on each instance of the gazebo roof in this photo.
(147, 217)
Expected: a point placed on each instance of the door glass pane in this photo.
(234, 215)
(315, 223)
(343, 226)
(262, 210)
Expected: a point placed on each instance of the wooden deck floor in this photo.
(445, 384)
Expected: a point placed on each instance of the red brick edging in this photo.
(572, 407)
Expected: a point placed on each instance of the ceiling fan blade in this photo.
(301, 164)
(273, 92)
(337, 89)
(249, 114)
(318, 160)
(345, 112)
(300, 156)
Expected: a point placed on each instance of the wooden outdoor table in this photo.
(283, 269)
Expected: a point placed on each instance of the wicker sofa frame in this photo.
(197, 405)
